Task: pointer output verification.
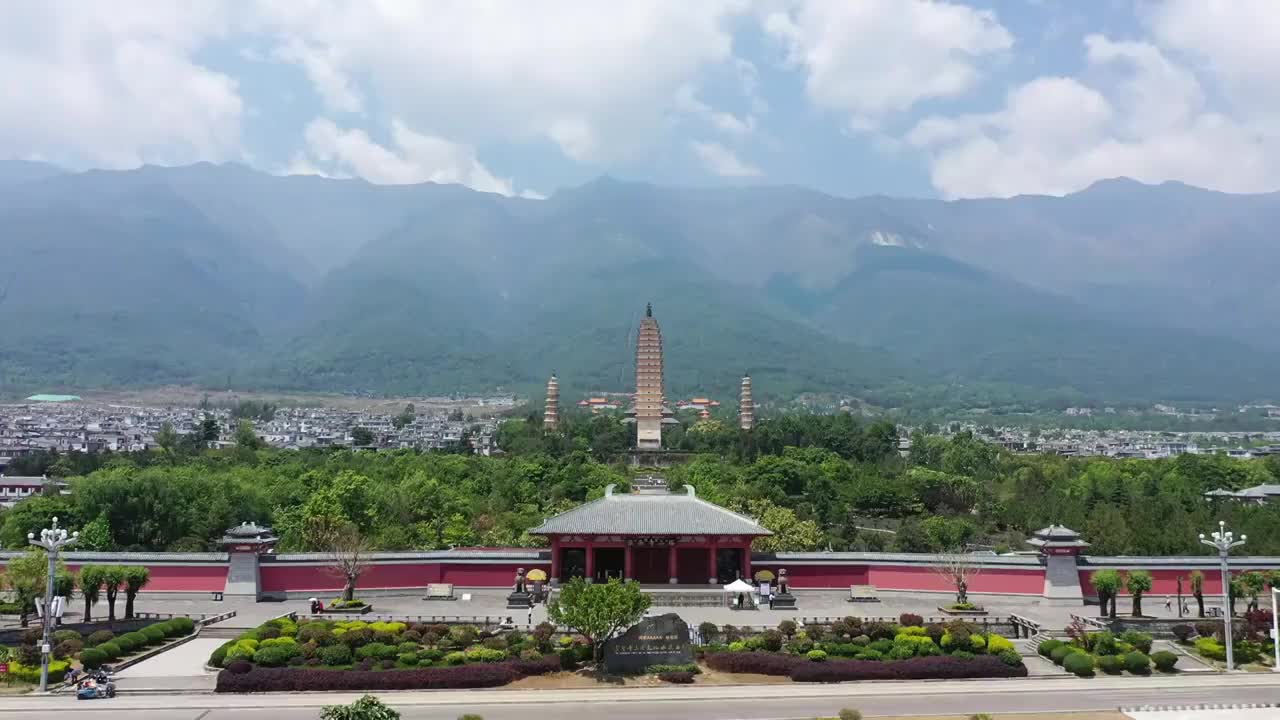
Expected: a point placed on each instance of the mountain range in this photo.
(224, 276)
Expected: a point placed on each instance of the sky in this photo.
(974, 98)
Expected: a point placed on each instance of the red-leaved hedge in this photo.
(264, 679)
(940, 667)
(760, 663)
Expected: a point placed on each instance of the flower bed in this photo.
(94, 651)
(356, 655)
(852, 650)
(1087, 653)
(348, 607)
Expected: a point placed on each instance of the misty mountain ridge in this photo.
(219, 274)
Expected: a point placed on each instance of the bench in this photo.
(863, 593)
(440, 591)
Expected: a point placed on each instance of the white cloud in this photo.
(722, 161)
(687, 100)
(1142, 116)
(594, 78)
(412, 157)
(875, 57)
(115, 85)
(333, 85)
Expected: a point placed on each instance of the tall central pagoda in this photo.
(648, 409)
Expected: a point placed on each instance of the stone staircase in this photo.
(686, 598)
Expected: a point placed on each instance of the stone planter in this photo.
(362, 610)
(976, 612)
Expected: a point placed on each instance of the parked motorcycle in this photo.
(96, 685)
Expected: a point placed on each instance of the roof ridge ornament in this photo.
(608, 490)
(690, 491)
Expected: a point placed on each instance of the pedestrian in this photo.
(1168, 605)
(530, 617)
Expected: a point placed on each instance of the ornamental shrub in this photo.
(357, 637)
(849, 714)
(1103, 643)
(544, 665)
(308, 679)
(801, 643)
(1047, 647)
(870, 654)
(485, 655)
(816, 655)
(99, 637)
(154, 635)
(457, 658)
(842, 649)
(462, 635)
(268, 631)
(786, 627)
(316, 632)
(334, 655)
(861, 640)
(377, 651)
(941, 667)
(656, 669)
(1079, 664)
(676, 678)
(997, 644)
(1060, 654)
(238, 667)
(31, 673)
(1212, 649)
(92, 658)
(1010, 658)
(185, 625)
(131, 641)
(1139, 640)
(67, 648)
(771, 640)
(1208, 629)
(963, 655)
(910, 631)
(60, 636)
(112, 650)
(902, 651)
(408, 659)
(910, 619)
(1164, 660)
(880, 630)
(219, 655)
(935, 631)
(737, 646)
(1182, 632)
(275, 655)
(1137, 663)
(881, 646)
(1110, 664)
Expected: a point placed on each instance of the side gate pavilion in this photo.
(653, 536)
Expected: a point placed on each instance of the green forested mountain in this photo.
(221, 275)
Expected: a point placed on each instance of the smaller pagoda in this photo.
(746, 406)
(1060, 548)
(551, 414)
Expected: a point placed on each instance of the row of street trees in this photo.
(26, 577)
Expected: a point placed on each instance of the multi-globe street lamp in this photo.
(52, 539)
(1224, 541)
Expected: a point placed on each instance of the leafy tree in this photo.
(362, 437)
(167, 437)
(247, 438)
(1137, 582)
(1107, 584)
(90, 579)
(113, 577)
(26, 577)
(136, 577)
(598, 611)
(789, 532)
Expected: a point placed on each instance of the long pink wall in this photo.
(294, 578)
(1009, 581)
(1164, 582)
(183, 578)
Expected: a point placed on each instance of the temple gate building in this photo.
(653, 536)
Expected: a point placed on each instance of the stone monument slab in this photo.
(661, 640)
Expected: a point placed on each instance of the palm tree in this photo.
(1107, 584)
(135, 578)
(1197, 589)
(1138, 582)
(112, 579)
(90, 581)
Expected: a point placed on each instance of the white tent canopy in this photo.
(739, 586)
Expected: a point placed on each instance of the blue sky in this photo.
(853, 97)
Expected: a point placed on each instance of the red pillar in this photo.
(746, 562)
(627, 573)
(711, 565)
(672, 574)
(555, 559)
(591, 562)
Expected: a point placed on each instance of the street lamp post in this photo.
(52, 540)
(1275, 625)
(1223, 541)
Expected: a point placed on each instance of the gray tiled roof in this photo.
(650, 514)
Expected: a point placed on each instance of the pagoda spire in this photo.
(648, 309)
(746, 406)
(551, 413)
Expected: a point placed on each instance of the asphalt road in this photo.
(762, 702)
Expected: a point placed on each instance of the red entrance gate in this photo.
(692, 566)
(649, 564)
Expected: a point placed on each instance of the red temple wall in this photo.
(1164, 582)
(182, 578)
(284, 577)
